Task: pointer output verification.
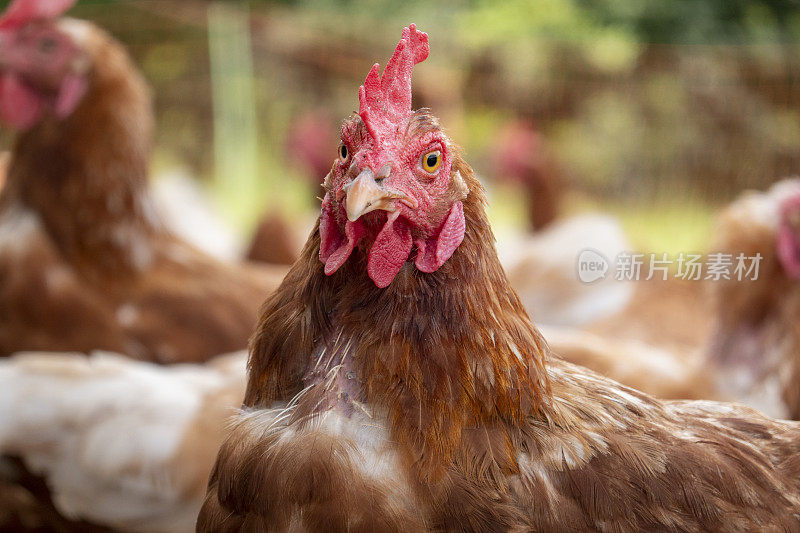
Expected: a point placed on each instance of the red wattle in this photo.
(329, 235)
(335, 247)
(390, 250)
(69, 96)
(20, 107)
(392, 245)
(432, 253)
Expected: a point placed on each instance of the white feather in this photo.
(106, 432)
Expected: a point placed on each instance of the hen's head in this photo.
(789, 236)
(393, 186)
(42, 68)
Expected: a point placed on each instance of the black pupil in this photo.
(432, 159)
(343, 151)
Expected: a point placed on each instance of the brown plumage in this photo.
(432, 404)
(658, 370)
(672, 313)
(655, 345)
(273, 242)
(85, 262)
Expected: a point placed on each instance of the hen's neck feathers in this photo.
(86, 175)
(439, 352)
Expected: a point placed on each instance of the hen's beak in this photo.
(365, 194)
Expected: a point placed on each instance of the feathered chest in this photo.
(329, 439)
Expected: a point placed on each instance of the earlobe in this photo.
(72, 90)
(452, 233)
(432, 253)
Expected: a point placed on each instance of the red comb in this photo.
(385, 100)
(20, 12)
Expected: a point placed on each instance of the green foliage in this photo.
(700, 21)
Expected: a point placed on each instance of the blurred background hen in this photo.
(608, 127)
(87, 263)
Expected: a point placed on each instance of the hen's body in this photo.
(609, 459)
(85, 262)
(432, 404)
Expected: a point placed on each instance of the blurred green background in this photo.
(658, 111)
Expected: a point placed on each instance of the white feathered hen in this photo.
(120, 443)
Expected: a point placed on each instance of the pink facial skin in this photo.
(389, 142)
(789, 236)
(40, 67)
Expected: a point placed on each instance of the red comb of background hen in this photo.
(20, 105)
(385, 100)
(20, 12)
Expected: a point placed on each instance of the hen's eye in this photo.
(431, 161)
(47, 45)
(344, 153)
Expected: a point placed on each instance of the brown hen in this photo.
(395, 388)
(85, 261)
